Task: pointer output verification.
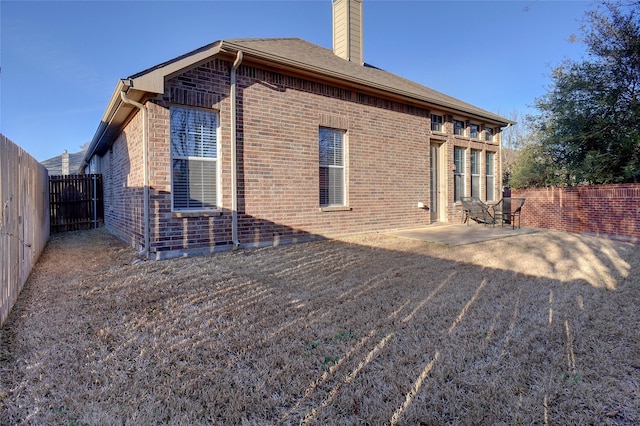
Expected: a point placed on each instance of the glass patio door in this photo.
(434, 183)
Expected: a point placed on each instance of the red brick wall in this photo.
(611, 211)
(121, 168)
(387, 155)
(387, 163)
(278, 200)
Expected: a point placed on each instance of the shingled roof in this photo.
(291, 54)
(54, 164)
(322, 61)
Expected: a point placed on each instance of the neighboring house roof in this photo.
(54, 164)
(291, 54)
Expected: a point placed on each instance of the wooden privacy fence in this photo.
(75, 202)
(24, 222)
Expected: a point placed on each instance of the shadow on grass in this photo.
(366, 329)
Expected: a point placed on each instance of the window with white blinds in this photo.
(332, 172)
(194, 158)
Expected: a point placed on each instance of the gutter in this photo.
(145, 145)
(369, 85)
(500, 154)
(105, 123)
(234, 159)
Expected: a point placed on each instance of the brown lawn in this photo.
(369, 329)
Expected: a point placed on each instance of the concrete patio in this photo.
(460, 234)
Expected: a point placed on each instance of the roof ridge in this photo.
(249, 39)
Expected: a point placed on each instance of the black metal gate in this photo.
(75, 202)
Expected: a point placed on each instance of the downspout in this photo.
(145, 144)
(234, 159)
(501, 159)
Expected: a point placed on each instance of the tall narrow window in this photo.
(490, 170)
(194, 158)
(475, 173)
(436, 123)
(332, 180)
(459, 173)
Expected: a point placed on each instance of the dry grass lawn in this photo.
(369, 329)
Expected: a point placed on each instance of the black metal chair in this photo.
(507, 210)
(474, 209)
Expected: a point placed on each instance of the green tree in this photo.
(588, 124)
(514, 138)
(534, 168)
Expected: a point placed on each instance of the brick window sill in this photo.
(200, 213)
(335, 209)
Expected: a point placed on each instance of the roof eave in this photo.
(143, 85)
(151, 82)
(153, 79)
(300, 67)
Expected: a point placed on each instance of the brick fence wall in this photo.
(611, 211)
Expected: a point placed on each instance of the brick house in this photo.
(254, 142)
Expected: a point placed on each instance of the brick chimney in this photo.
(65, 162)
(347, 30)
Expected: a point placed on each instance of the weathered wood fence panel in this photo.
(75, 202)
(24, 222)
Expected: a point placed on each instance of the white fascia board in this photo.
(153, 80)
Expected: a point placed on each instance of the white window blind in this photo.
(194, 153)
(331, 153)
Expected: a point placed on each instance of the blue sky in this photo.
(60, 60)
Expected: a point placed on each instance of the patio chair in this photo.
(507, 210)
(474, 209)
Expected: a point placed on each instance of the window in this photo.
(488, 134)
(194, 158)
(436, 123)
(474, 129)
(458, 174)
(475, 173)
(332, 176)
(458, 127)
(490, 195)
